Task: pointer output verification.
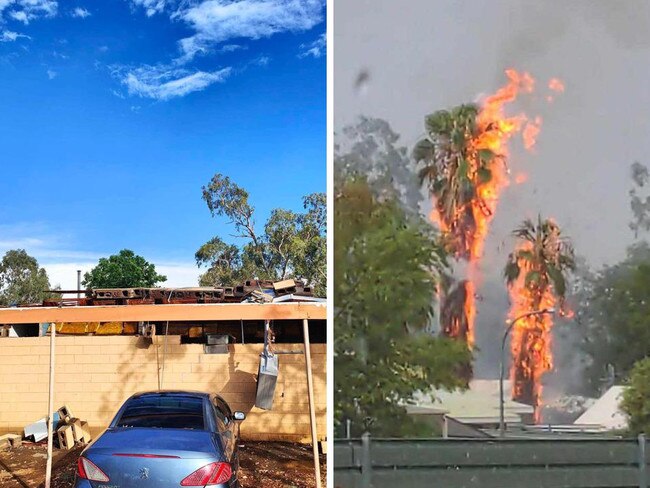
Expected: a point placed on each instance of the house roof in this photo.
(477, 405)
(606, 411)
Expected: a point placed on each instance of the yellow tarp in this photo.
(97, 328)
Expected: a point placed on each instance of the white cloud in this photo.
(179, 274)
(19, 15)
(54, 253)
(65, 274)
(80, 13)
(316, 49)
(163, 82)
(229, 48)
(216, 21)
(10, 36)
(151, 7)
(51, 74)
(26, 10)
(49, 244)
(262, 61)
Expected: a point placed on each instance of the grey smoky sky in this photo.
(400, 60)
(417, 56)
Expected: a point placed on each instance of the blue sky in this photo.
(115, 113)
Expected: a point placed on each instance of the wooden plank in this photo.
(172, 313)
(441, 453)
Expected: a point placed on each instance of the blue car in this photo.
(165, 439)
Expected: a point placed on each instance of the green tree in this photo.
(22, 281)
(636, 398)
(370, 147)
(613, 302)
(292, 244)
(387, 266)
(639, 205)
(544, 256)
(123, 270)
(615, 316)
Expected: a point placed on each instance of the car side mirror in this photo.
(239, 416)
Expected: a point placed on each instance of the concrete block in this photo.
(80, 431)
(13, 440)
(66, 437)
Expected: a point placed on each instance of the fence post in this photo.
(643, 481)
(366, 465)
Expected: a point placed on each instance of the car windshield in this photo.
(165, 412)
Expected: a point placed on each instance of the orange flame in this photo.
(521, 178)
(495, 130)
(531, 339)
(556, 85)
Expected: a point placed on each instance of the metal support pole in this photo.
(78, 284)
(312, 406)
(50, 408)
(366, 466)
(643, 467)
(502, 422)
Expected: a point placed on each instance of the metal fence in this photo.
(491, 463)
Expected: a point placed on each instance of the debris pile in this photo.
(256, 291)
(70, 431)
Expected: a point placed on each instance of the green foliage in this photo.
(123, 270)
(387, 266)
(612, 316)
(640, 205)
(22, 281)
(636, 398)
(292, 245)
(370, 147)
(615, 315)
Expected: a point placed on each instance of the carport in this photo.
(171, 313)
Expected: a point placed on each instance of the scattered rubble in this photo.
(260, 291)
(70, 431)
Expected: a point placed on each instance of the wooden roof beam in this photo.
(158, 313)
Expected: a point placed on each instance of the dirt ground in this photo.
(267, 464)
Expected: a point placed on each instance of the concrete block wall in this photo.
(94, 375)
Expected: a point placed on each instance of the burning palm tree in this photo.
(536, 277)
(464, 156)
(454, 169)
